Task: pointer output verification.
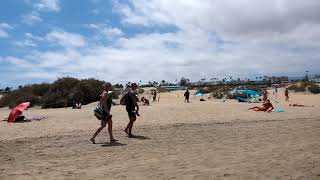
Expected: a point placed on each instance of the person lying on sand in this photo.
(299, 105)
(145, 101)
(266, 107)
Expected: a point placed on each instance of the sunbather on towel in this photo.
(299, 105)
(266, 107)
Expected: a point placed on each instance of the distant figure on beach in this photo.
(76, 105)
(154, 96)
(265, 96)
(20, 119)
(286, 93)
(266, 107)
(105, 105)
(186, 95)
(159, 98)
(132, 108)
(145, 101)
(276, 91)
(299, 105)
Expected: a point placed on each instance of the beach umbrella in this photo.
(199, 95)
(248, 92)
(17, 111)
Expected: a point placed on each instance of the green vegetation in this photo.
(305, 86)
(219, 92)
(61, 93)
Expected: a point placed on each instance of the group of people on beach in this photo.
(267, 105)
(132, 108)
(105, 103)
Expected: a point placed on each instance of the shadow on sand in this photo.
(109, 144)
(139, 137)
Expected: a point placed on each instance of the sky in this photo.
(153, 40)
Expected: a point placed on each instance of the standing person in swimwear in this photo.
(154, 96)
(265, 96)
(132, 108)
(187, 95)
(286, 93)
(105, 103)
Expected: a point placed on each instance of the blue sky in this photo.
(132, 40)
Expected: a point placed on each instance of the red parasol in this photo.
(17, 111)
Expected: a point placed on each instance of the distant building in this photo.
(199, 83)
(279, 80)
(173, 88)
(315, 78)
(213, 83)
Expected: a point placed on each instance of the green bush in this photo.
(140, 91)
(61, 93)
(208, 89)
(315, 89)
(303, 86)
(16, 97)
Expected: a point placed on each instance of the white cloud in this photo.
(166, 56)
(33, 37)
(213, 39)
(230, 19)
(106, 30)
(25, 43)
(4, 27)
(31, 18)
(39, 6)
(47, 5)
(66, 39)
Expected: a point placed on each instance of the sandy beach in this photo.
(175, 140)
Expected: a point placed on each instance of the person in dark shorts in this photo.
(286, 93)
(186, 95)
(265, 96)
(105, 103)
(154, 96)
(132, 108)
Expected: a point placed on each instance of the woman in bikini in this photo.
(266, 107)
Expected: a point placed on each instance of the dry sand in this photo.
(176, 140)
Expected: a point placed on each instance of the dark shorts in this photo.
(107, 117)
(131, 112)
(102, 115)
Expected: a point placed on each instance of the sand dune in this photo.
(176, 140)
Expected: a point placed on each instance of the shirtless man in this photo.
(266, 107)
(286, 93)
(132, 108)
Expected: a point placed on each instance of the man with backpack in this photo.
(132, 107)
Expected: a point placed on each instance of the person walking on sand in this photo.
(132, 108)
(105, 103)
(187, 95)
(286, 93)
(154, 96)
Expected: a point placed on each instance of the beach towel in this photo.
(278, 110)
